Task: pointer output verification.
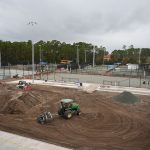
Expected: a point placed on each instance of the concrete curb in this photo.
(10, 141)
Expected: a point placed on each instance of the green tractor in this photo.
(68, 108)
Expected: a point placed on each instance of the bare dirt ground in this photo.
(104, 124)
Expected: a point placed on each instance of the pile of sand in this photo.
(5, 95)
(19, 104)
(126, 97)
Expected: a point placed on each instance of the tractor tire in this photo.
(68, 114)
(42, 122)
(60, 112)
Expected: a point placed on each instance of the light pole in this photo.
(103, 55)
(85, 56)
(93, 56)
(40, 63)
(32, 62)
(32, 24)
(140, 56)
(77, 55)
(0, 60)
(40, 54)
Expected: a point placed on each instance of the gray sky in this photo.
(111, 23)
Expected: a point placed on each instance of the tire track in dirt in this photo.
(109, 124)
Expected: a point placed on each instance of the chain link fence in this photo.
(50, 72)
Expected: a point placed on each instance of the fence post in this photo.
(47, 74)
(4, 73)
(9, 71)
(16, 69)
(140, 81)
(23, 70)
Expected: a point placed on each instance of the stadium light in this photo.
(31, 23)
(0, 59)
(77, 55)
(93, 56)
(140, 56)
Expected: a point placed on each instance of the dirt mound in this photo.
(15, 107)
(16, 101)
(126, 97)
(3, 88)
(5, 95)
(20, 103)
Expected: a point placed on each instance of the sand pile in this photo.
(16, 101)
(20, 103)
(5, 95)
(126, 97)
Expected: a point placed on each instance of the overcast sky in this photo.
(111, 23)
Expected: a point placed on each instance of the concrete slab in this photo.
(10, 141)
(50, 82)
(119, 89)
(90, 87)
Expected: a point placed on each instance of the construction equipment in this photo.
(24, 85)
(21, 84)
(16, 76)
(45, 118)
(67, 108)
(27, 87)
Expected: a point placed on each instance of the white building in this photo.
(133, 66)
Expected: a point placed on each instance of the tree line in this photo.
(54, 51)
(131, 55)
(51, 51)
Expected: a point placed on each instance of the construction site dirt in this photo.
(104, 124)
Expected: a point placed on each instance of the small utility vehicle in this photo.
(22, 84)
